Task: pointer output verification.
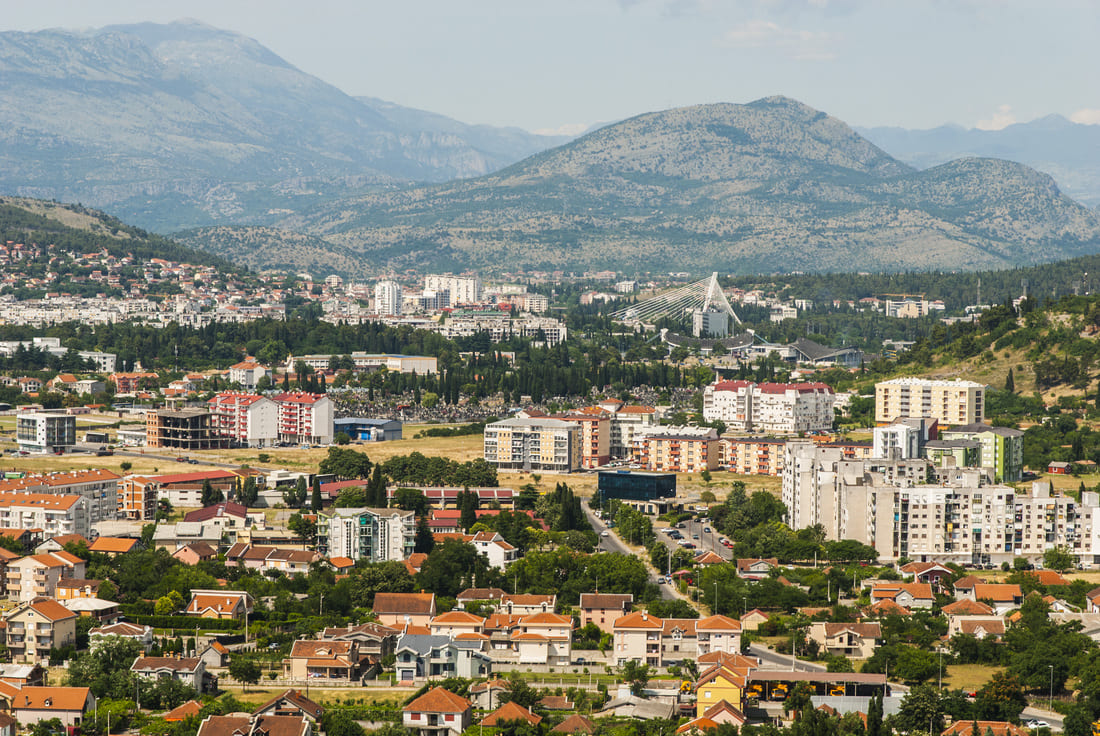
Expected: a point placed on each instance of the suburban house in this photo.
(72, 588)
(544, 638)
(510, 712)
(756, 569)
(332, 660)
(603, 609)
(751, 620)
(71, 705)
(907, 595)
(255, 725)
(438, 712)
(422, 656)
(659, 642)
(402, 609)
(926, 572)
(526, 604)
(483, 596)
(855, 641)
(122, 630)
(499, 553)
(724, 681)
(1003, 597)
(194, 553)
(38, 575)
(37, 626)
(190, 672)
(375, 641)
(454, 623)
(215, 654)
(114, 546)
(223, 604)
(291, 703)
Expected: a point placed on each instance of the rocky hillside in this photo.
(271, 249)
(1068, 151)
(179, 125)
(773, 185)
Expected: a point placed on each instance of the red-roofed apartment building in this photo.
(251, 420)
(305, 419)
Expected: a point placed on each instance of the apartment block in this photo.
(785, 408)
(248, 373)
(951, 403)
(38, 575)
(1001, 451)
(53, 515)
(533, 445)
(305, 418)
(595, 436)
(37, 626)
(387, 298)
(249, 420)
(753, 456)
(659, 642)
(99, 487)
(891, 507)
(677, 449)
(462, 289)
(378, 535)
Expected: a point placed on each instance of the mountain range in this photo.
(1068, 151)
(183, 127)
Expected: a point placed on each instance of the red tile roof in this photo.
(438, 700)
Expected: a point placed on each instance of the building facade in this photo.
(533, 445)
(249, 420)
(378, 535)
(305, 418)
(44, 432)
(949, 402)
(387, 298)
(677, 449)
(785, 408)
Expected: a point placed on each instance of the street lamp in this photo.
(1050, 701)
(715, 597)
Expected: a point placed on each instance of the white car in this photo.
(605, 533)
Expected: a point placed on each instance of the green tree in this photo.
(1010, 382)
(452, 567)
(249, 493)
(341, 438)
(168, 604)
(352, 497)
(211, 495)
(244, 671)
(921, 709)
(1058, 558)
(425, 540)
(1001, 699)
(635, 675)
(105, 670)
(305, 529)
(411, 499)
(294, 496)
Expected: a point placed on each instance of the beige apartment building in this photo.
(950, 402)
(533, 445)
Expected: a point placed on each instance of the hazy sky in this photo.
(561, 64)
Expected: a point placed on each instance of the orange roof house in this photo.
(510, 712)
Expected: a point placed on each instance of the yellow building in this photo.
(949, 402)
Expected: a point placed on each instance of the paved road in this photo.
(1056, 720)
(612, 543)
(773, 660)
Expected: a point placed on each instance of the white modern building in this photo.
(251, 420)
(305, 418)
(784, 408)
(377, 535)
(45, 432)
(462, 289)
(387, 298)
(54, 515)
(891, 506)
(248, 373)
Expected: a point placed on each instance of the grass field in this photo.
(968, 677)
(258, 694)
